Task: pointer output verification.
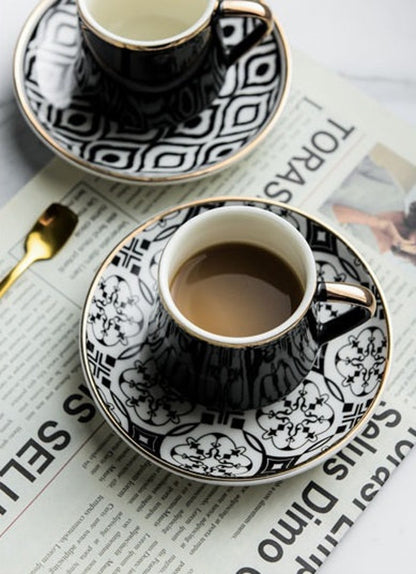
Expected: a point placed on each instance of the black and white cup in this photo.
(226, 372)
(158, 62)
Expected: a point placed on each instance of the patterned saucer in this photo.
(50, 99)
(290, 436)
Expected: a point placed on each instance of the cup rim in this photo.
(247, 341)
(134, 44)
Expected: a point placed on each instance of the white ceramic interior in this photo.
(243, 224)
(145, 22)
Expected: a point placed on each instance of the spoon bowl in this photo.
(48, 235)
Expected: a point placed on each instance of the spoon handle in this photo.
(15, 273)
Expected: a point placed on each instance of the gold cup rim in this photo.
(91, 24)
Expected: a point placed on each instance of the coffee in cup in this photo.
(236, 325)
(157, 63)
(236, 289)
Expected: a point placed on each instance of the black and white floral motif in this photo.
(297, 420)
(212, 454)
(115, 313)
(361, 360)
(50, 77)
(254, 446)
(151, 402)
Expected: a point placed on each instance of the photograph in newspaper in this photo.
(376, 204)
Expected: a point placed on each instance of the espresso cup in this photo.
(236, 325)
(158, 62)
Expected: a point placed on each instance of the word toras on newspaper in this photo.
(311, 157)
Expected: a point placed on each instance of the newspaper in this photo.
(73, 496)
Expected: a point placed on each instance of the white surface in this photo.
(373, 44)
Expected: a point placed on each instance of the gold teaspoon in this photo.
(50, 232)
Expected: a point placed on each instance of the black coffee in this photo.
(236, 290)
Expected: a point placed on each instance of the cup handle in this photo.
(246, 9)
(363, 308)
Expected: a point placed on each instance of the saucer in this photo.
(256, 446)
(249, 103)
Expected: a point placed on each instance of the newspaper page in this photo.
(74, 498)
